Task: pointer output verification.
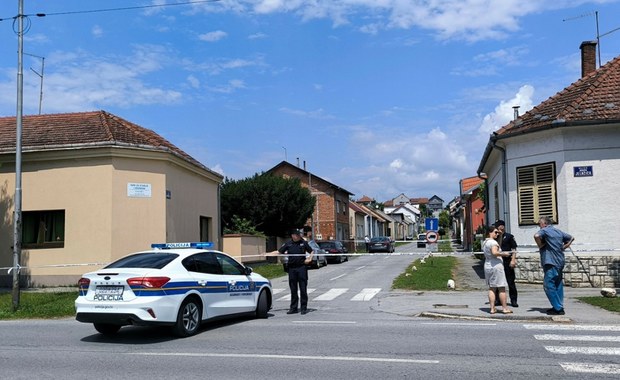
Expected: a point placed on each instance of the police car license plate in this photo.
(108, 293)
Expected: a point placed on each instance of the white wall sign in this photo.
(139, 190)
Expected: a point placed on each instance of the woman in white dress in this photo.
(494, 275)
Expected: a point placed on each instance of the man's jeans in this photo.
(554, 286)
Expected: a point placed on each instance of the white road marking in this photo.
(297, 357)
(277, 290)
(460, 323)
(587, 338)
(327, 322)
(288, 296)
(337, 277)
(591, 368)
(362, 267)
(366, 294)
(573, 327)
(331, 294)
(565, 350)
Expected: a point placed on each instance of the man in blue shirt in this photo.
(552, 242)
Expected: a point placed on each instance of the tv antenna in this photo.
(598, 36)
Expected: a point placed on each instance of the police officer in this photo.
(508, 243)
(297, 270)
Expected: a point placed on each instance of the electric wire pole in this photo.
(17, 217)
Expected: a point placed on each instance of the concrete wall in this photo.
(244, 248)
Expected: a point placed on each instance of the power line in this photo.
(112, 9)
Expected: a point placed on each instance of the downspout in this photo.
(504, 181)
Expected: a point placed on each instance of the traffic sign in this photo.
(431, 224)
(432, 236)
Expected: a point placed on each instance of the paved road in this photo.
(353, 333)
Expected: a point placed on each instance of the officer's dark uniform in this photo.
(297, 272)
(508, 244)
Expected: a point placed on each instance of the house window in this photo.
(43, 229)
(205, 226)
(536, 193)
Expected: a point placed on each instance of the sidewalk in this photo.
(470, 301)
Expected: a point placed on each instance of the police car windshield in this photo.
(151, 260)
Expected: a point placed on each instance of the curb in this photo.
(505, 318)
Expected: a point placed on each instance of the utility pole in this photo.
(40, 75)
(17, 217)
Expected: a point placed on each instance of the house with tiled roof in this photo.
(561, 160)
(96, 187)
(471, 213)
(330, 219)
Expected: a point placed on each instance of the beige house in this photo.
(96, 187)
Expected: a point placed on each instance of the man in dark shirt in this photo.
(297, 249)
(507, 243)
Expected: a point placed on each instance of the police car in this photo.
(176, 284)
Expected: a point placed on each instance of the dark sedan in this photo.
(334, 247)
(381, 244)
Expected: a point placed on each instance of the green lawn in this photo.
(432, 275)
(38, 305)
(611, 304)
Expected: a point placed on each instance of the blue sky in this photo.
(380, 97)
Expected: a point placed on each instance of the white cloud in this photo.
(315, 114)
(97, 31)
(230, 87)
(504, 112)
(193, 81)
(257, 36)
(81, 81)
(213, 36)
(450, 19)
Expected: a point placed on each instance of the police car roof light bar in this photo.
(197, 245)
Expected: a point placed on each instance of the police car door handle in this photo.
(202, 283)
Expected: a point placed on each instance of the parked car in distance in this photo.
(334, 247)
(381, 244)
(319, 258)
(421, 240)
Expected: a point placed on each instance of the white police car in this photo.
(175, 284)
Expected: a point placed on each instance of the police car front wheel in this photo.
(262, 306)
(188, 318)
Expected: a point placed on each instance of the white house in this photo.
(562, 159)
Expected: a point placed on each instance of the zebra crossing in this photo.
(363, 295)
(600, 342)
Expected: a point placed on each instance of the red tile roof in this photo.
(83, 130)
(593, 99)
(418, 201)
(469, 183)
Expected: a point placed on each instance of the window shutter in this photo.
(536, 193)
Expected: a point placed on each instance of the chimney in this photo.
(516, 112)
(588, 57)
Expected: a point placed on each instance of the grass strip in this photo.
(609, 304)
(431, 275)
(38, 305)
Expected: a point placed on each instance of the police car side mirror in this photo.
(248, 271)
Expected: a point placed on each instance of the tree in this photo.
(271, 204)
